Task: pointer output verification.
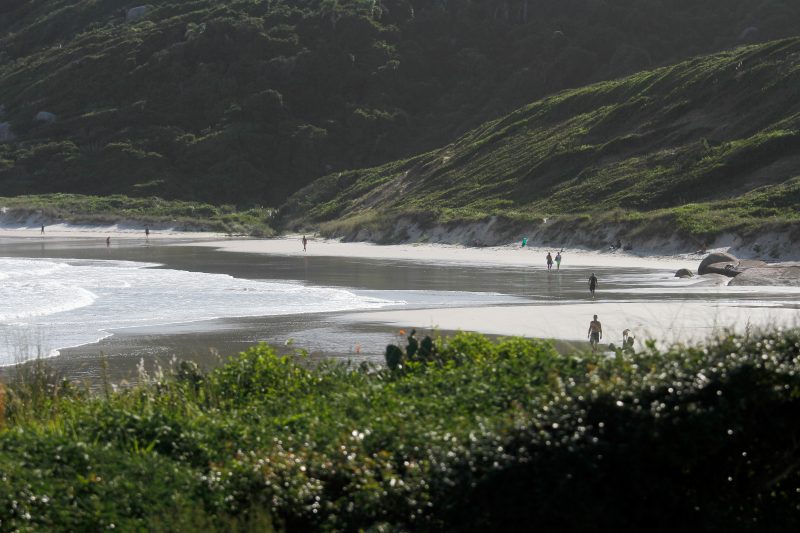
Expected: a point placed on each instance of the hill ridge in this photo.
(708, 145)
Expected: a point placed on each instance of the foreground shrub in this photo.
(505, 435)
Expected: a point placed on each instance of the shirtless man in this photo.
(595, 333)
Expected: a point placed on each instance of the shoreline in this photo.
(338, 333)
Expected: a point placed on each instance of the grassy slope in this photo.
(489, 436)
(707, 145)
(191, 216)
(246, 101)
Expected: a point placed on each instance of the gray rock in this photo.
(137, 13)
(769, 275)
(45, 116)
(726, 269)
(684, 273)
(6, 135)
(716, 257)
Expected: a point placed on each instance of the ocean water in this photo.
(47, 305)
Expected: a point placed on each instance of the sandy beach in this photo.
(498, 291)
(510, 255)
(666, 321)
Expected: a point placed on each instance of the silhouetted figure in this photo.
(42, 229)
(108, 242)
(592, 284)
(413, 345)
(305, 242)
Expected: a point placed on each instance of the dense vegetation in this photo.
(701, 147)
(246, 101)
(174, 214)
(503, 436)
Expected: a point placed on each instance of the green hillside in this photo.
(702, 147)
(246, 101)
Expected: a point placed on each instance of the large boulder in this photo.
(137, 13)
(725, 269)
(684, 273)
(769, 275)
(715, 258)
(6, 135)
(45, 116)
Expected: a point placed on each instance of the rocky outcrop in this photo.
(6, 135)
(684, 273)
(733, 269)
(785, 275)
(716, 259)
(45, 116)
(137, 13)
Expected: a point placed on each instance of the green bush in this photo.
(504, 435)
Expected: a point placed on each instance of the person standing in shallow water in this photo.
(147, 233)
(592, 283)
(558, 261)
(549, 260)
(305, 242)
(42, 229)
(595, 333)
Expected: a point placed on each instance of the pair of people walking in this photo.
(549, 260)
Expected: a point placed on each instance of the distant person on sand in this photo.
(42, 229)
(147, 233)
(108, 241)
(549, 259)
(558, 260)
(524, 242)
(592, 283)
(305, 242)
(595, 333)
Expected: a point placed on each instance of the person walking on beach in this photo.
(595, 333)
(549, 259)
(147, 233)
(592, 283)
(42, 229)
(108, 241)
(558, 260)
(305, 242)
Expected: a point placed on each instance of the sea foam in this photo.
(52, 304)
